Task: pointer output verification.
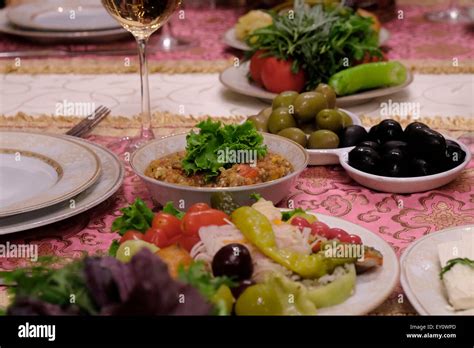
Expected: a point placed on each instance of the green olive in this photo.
(308, 105)
(307, 128)
(284, 99)
(323, 139)
(259, 122)
(265, 113)
(295, 134)
(346, 119)
(258, 300)
(280, 119)
(328, 93)
(329, 119)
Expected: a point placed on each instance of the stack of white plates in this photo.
(55, 21)
(47, 178)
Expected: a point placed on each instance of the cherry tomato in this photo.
(338, 233)
(192, 222)
(158, 237)
(320, 229)
(351, 238)
(277, 76)
(247, 171)
(317, 247)
(256, 64)
(131, 235)
(301, 222)
(170, 224)
(198, 207)
(187, 242)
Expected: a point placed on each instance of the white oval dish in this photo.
(420, 269)
(163, 192)
(403, 185)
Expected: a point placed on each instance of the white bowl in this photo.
(163, 192)
(404, 185)
(324, 157)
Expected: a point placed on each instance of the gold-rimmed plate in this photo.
(39, 170)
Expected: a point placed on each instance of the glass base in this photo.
(127, 145)
(173, 43)
(453, 15)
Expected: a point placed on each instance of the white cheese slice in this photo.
(449, 250)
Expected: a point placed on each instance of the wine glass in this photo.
(452, 14)
(141, 18)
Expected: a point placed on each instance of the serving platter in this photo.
(69, 15)
(108, 183)
(231, 40)
(372, 287)
(39, 170)
(420, 269)
(235, 78)
(50, 37)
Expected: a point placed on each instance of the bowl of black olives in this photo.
(312, 120)
(414, 159)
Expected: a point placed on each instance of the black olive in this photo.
(451, 143)
(454, 157)
(365, 159)
(388, 130)
(394, 163)
(370, 143)
(352, 135)
(411, 127)
(373, 134)
(427, 143)
(420, 167)
(395, 144)
(233, 260)
(240, 288)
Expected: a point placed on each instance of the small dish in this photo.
(235, 78)
(420, 269)
(404, 185)
(162, 192)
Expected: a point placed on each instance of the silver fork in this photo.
(89, 123)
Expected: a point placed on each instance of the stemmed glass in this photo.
(141, 18)
(453, 14)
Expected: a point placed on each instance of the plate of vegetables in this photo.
(323, 264)
(322, 44)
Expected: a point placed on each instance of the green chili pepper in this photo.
(368, 76)
(258, 230)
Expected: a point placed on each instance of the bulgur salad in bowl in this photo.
(233, 158)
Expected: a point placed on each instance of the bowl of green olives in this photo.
(415, 159)
(312, 120)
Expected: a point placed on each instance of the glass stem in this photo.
(146, 131)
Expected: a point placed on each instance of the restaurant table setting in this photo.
(64, 183)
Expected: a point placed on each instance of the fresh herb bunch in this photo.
(321, 40)
(203, 148)
(137, 216)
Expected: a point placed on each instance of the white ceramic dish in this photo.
(373, 287)
(39, 170)
(231, 40)
(51, 37)
(163, 192)
(235, 78)
(68, 15)
(420, 273)
(404, 185)
(108, 183)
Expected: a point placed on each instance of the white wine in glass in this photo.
(141, 18)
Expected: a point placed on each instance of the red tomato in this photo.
(187, 242)
(338, 233)
(198, 207)
(277, 76)
(351, 238)
(170, 224)
(192, 222)
(159, 237)
(132, 235)
(300, 222)
(320, 229)
(256, 64)
(317, 247)
(247, 171)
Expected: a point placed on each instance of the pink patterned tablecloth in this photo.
(411, 37)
